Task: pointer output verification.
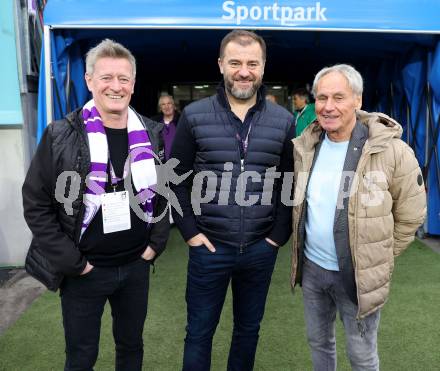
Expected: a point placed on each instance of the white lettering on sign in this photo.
(286, 15)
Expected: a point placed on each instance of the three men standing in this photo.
(363, 199)
(222, 138)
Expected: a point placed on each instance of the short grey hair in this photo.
(354, 78)
(108, 49)
(163, 96)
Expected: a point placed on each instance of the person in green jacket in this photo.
(304, 111)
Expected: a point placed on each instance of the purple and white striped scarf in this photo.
(142, 166)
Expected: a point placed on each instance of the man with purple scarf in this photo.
(89, 199)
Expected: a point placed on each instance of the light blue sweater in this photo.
(322, 196)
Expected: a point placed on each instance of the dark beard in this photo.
(241, 94)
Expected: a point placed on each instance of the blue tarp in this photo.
(414, 82)
(398, 98)
(433, 181)
(65, 54)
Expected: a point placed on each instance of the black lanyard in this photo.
(115, 179)
(243, 143)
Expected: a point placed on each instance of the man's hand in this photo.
(148, 254)
(87, 269)
(199, 240)
(270, 242)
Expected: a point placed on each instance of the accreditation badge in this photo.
(115, 212)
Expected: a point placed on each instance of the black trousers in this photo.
(83, 299)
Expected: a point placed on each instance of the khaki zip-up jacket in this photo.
(387, 203)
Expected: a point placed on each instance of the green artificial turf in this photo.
(409, 335)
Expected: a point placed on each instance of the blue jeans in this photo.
(208, 279)
(323, 294)
(83, 299)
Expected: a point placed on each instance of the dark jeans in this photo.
(324, 294)
(83, 299)
(208, 279)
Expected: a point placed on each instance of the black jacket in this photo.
(206, 139)
(64, 147)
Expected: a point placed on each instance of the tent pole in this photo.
(428, 118)
(47, 73)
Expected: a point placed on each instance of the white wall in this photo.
(14, 233)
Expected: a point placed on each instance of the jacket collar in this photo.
(75, 119)
(358, 137)
(381, 129)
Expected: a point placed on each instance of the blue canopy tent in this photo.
(394, 44)
(414, 83)
(432, 164)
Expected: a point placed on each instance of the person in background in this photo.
(169, 117)
(272, 98)
(99, 246)
(304, 112)
(363, 199)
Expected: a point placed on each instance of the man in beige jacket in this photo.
(359, 198)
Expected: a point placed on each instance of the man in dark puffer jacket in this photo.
(232, 221)
(95, 240)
